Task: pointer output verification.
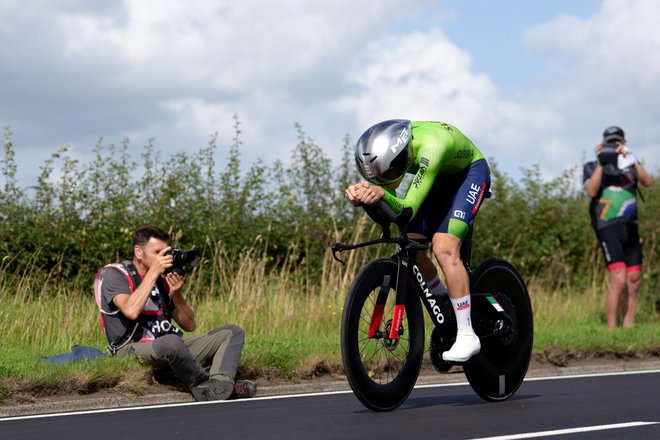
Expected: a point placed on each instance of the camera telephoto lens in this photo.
(608, 154)
(181, 259)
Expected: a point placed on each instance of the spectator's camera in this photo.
(181, 259)
(608, 154)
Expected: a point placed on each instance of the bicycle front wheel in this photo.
(382, 371)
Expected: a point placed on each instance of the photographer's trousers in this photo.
(196, 358)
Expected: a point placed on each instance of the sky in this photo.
(531, 83)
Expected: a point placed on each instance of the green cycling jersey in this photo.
(438, 149)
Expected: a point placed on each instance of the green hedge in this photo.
(79, 216)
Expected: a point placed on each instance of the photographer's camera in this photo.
(608, 154)
(181, 259)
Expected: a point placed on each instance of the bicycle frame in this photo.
(501, 314)
(405, 254)
(405, 257)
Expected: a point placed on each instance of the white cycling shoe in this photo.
(467, 345)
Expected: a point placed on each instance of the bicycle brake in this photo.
(337, 247)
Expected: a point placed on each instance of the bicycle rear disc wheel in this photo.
(381, 371)
(500, 367)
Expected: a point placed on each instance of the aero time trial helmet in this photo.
(382, 153)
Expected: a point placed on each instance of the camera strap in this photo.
(133, 273)
(133, 277)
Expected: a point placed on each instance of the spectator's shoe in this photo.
(213, 389)
(244, 389)
(467, 345)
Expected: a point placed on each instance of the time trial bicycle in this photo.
(382, 329)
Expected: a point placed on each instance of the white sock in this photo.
(436, 287)
(463, 310)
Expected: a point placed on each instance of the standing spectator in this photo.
(611, 182)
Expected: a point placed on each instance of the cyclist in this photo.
(450, 179)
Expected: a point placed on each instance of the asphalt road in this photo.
(619, 405)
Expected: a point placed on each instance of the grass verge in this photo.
(292, 329)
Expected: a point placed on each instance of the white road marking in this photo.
(169, 405)
(579, 376)
(290, 396)
(568, 431)
(567, 376)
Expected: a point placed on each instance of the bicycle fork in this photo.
(399, 306)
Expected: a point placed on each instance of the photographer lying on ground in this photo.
(138, 300)
(611, 182)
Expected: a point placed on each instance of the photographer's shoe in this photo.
(213, 389)
(467, 345)
(244, 389)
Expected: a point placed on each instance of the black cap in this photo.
(613, 133)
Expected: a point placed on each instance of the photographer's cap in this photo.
(613, 133)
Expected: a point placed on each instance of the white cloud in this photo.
(602, 70)
(608, 72)
(425, 76)
(227, 46)
(177, 71)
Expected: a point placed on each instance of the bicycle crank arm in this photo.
(496, 334)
